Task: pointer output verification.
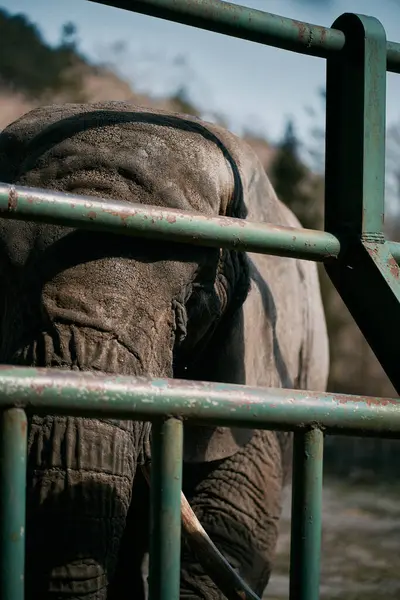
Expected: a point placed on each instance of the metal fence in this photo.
(361, 263)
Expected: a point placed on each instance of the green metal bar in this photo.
(56, 391)
(164, 224)
(305, 551)
(366, 275)
(166, 486)
(355, 144)
(393, 57)
(394, 248)
(13, 449)
(249, 24)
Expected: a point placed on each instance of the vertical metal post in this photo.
(306, 515)
(165, 512)
(366, 275)
(13, 449)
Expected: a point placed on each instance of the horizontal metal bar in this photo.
(166, 224)
(65, 392)
(250, 24)
(393, 57)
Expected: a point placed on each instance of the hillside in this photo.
(67, 76)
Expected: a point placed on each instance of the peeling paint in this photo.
(12, 204)
(59, 391)
(166, 224)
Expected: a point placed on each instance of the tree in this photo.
(316, 147)
(287, 169)
(68, 35)
(30, 65)
(293, 182)
(182, 102)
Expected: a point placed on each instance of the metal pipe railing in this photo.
(56, 391)
(124, 218)
(309, 414)
(250, 24)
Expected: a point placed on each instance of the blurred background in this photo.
(78, 51)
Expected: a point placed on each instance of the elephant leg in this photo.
(238, 502)
(80, 475)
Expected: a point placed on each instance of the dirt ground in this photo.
(360, 544)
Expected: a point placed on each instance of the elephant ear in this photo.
(246, 348)
(222, 360)
(208, 444)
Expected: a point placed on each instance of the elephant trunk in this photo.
(81, 470)
(90, 317)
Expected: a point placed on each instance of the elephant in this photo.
(94, 301)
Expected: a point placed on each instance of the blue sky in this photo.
(254, 86)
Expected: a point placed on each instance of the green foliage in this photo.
(28, 64)
(68, 35)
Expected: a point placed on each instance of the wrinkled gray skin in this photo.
(94, 301)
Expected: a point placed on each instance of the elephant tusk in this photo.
(213, 562)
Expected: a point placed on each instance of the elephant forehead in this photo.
(176, 167)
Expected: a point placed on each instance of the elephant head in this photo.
(96, 301)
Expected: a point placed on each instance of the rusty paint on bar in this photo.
(250, 24)
(120, 217)
(57, 391)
